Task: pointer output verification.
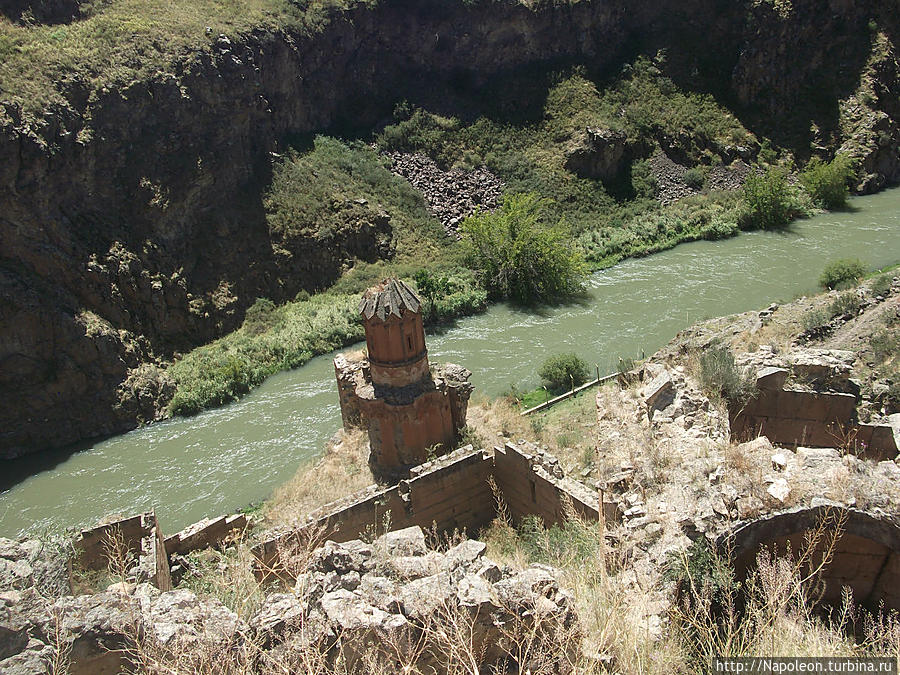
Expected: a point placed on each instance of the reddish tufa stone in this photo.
(408, 410)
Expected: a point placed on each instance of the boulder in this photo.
(659, 393)
(406, 542)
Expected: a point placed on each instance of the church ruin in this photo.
(412, 410)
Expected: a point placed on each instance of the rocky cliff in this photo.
(131, 218)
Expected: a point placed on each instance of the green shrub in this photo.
(842, 273)
(700, 573)
(694, 178)
(519, 257)
(827, 182)
(815, 319)
(892, 398)
(562, 372)
(881, 285)
(643, 182)
(846, 304)
(768, 199)
(885, 344)
(575, 543)
(721, 378)
(259, 317)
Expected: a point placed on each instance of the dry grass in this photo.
(567, 430)
(341, 471)
(779, 618)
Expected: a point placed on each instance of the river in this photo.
(223, 459)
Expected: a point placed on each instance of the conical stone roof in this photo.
(390, 296)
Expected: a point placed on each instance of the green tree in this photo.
(827, 182)
(518, 256)
(432, 286)
(562, 372)
(767, 198)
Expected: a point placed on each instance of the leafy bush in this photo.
(562, 372)
(643, 182)
(517, 256)
(842, 273)
(846, 304)
(573, 543)
(885, 344)
(701, 571)
(694, 178)
(815, 319)
(259, 316)
(768, 199)
(892, 398)
(721, 378)
(881, 285)
(827, 182)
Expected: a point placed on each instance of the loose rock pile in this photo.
(670, 178)
(396, 600)
(388, 602)
(450, 195)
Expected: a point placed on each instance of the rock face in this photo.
(601, 153)
(133, 224)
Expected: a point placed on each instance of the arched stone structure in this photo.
(866, 555)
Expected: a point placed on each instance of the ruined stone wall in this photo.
(141, 539)
(530, 485)
(205, 534)
(812, 419)
(865, 556)
(347, 372)
(450, 493)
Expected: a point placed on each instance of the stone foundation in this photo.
(451, 493)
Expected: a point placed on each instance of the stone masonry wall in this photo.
(141, 538)
(450, 493)
(823, 419)
(866, 553)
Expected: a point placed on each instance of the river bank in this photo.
(222, 459)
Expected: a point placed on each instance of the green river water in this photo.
(221, 460)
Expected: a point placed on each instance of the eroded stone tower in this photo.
(410, 408)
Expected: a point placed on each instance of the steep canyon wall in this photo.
(132, 225)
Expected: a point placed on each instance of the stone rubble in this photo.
(354, 595)
(451, 195)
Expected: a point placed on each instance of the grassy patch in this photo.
(279, 338)
(119, 41)
(639, 229)
(337, 188)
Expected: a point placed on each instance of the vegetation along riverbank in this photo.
(173, 174)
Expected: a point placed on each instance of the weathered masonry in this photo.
(454, 492)
(864, 550)
(408, 406)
